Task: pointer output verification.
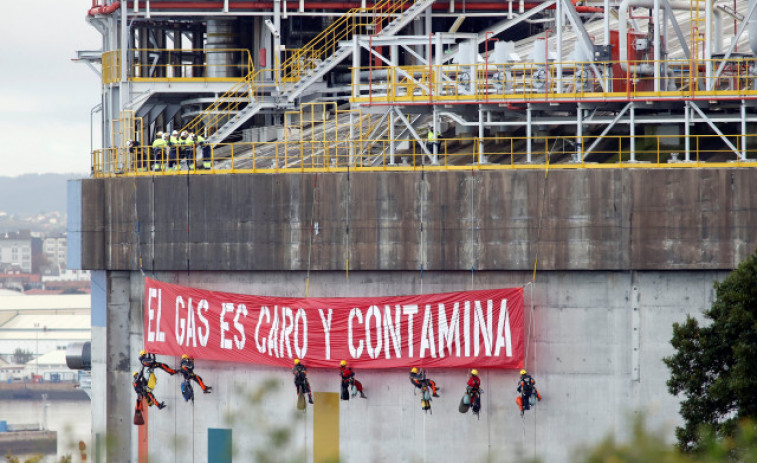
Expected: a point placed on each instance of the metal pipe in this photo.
(108, 9)
(753, 27)
(558, 38)
(632, 132)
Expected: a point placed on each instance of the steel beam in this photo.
(715, 128)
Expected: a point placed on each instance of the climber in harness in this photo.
(144, 392)
(472, 397)
(349, 382)
(187, 371)
(528, 393)
(148, 361)
(419, 380)
(301, 382)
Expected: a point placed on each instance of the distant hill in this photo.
(34, 193)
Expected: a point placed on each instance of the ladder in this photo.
(303, 67)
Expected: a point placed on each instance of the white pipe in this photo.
(753, 28)
(717, 31)
(657, 45)
(558, 36)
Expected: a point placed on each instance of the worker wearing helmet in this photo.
(300, 373)
(174, 142)
(186, 149)
(418, 378)
(143, 392)
(348, 380)
(159, 150)
(148, 361)
(199, 142)
(187, 371)
(474, 382)
(526, 389)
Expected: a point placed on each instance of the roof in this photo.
(56, 317)
(18, 302)
(54, 357)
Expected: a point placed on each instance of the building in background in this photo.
(40, 324)
(16, 250)
(54, 248)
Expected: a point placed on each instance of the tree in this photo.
(715, 366)
(21, 356)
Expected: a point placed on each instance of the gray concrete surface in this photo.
(581, 350)
(632, 219)
(622, 255)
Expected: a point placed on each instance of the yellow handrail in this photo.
(527, 81)
(331, 154)
(356, 20)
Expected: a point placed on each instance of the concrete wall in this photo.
(613, 219)
(595, 349)
(622, 255)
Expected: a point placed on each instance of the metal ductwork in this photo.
(221, 36)
(79, 356)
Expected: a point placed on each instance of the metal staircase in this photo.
(323, 53)
(303, 67)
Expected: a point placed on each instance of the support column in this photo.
(708, 44)
(355, 93)
(276, 38)
(632, 130)
(607, 67)
(686, 132)
(579, 156)
(390, 121)
(428, 29)
(435, 124)
(743, 131)
(481, 156)
(528, 133)
(656, 41)
(119, 396)
(353, 152)
(558, 36)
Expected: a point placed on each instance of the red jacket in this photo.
(347, 373)
(474, 382)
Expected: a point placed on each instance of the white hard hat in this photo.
(184, 133)
(159, 134)
(175, 132)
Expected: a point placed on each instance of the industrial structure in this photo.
(598, 153)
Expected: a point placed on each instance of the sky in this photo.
(45, 97)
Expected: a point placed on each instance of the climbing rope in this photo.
(312, 232)
(137, 229)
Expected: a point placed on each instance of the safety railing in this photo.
(356, 21)
(553, 81)
(503, 152)
(166, 64)
(156, 64)
(255, 85)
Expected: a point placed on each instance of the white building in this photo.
(16, 250)
(10, 371)
(51, 366)
(44, 323)
(55, 251)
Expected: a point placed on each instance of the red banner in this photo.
(469, 329)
